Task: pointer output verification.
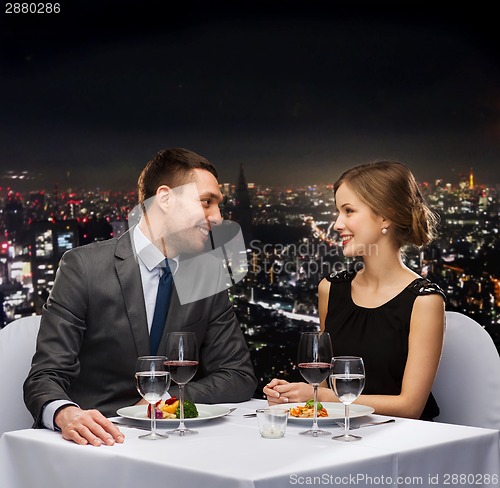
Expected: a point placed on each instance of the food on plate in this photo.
(170, 409)
(307, 410)
(190, 410)
(165, 409)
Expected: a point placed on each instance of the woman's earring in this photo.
(384, 231)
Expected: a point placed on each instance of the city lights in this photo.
(291, 246)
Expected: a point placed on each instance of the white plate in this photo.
(205, 412)
(335, 412)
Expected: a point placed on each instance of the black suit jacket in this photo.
(94, 327)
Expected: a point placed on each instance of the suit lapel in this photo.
(129, 276)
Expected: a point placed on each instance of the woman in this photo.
(385, 313)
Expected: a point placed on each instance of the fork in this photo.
(340, 423)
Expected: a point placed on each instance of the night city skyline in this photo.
(290, 244)
(295, 91)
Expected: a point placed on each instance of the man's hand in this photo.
(87, 427)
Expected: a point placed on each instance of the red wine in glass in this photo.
(182, 362)
(182, 371)
(314, 362)
(313, 373)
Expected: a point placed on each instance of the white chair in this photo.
(467, 385)
(17, 346)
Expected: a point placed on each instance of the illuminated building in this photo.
(242, 211)
(49, 241)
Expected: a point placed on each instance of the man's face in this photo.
(178, 221)
(192, 211)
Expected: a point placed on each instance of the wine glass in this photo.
(152, 381)
(347, 381)
(313, 358)
(182, 360)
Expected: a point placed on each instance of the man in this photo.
(98, 317)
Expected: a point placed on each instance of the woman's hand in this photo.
(280, 391)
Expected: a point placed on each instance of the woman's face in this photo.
(359, 227)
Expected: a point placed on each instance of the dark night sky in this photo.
(295, 91)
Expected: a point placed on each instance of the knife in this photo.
(131, 426)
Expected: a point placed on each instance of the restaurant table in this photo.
(229, 452)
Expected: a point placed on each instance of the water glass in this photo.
(272, 422)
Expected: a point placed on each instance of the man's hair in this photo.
(171, 167)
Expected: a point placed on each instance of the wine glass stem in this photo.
(315, 414)
(181, 406)
(153, 419)
(347, 419)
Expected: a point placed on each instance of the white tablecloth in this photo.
(229, 452)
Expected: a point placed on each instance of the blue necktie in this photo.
(161, 308)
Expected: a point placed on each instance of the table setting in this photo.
(229, 451)
(252, 444)
(314, 360)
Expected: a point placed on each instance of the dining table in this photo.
(228, 451)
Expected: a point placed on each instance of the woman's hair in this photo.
(390, 190)
(171, 167)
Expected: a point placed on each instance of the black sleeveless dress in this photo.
(378, 335)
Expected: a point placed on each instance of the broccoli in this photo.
(310, 403)
(190, 410)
